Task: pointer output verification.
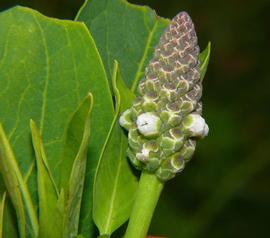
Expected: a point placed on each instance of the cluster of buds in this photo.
(165, 120)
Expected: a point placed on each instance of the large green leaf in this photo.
(47, 67)
(115, 184)
(127, 33)
(123, 32)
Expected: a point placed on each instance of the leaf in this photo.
(76, 181)
(61, 205)
(111, 21)
(204, 60)
(47, 191)
(10, 228)
(9, 223)
(11, 174)
(115, 184)
(54, 63)
(2, 208)
(16, 186)
(123, 32)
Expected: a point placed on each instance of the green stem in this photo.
(146, 200)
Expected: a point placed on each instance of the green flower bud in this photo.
(126, 120)
(188, 150)
(165, 120)
(171, 141)
(170, 167)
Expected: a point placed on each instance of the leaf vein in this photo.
(18, 111)
(5, 47)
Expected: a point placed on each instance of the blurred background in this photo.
(225, 191)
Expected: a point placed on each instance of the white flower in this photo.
(195, 126)
(148, 124)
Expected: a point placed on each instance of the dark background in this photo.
(225, 190)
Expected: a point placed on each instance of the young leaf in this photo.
(2, 209)
(47, 191)
(13, 181)
(76, 181)
(61, 205)
(115, 184)
(125, 32)
(204, 60)
(10, 226)
(50, 78)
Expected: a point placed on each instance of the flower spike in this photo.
(165, 120)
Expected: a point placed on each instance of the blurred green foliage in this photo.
(225, 190)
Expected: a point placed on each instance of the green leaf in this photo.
(47, 191)
(76, 181)
(10, 222)
(111, 21)
(204, 60)
(125, 32)
(115, 184)
(55, 63)
(8, 219)
(2, 209)
(61, 205)
(14, 182)
(79, 236)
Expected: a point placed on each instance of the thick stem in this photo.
(146, 200)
